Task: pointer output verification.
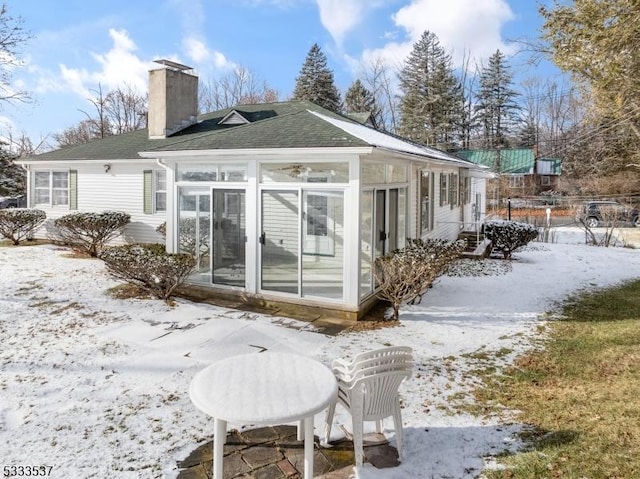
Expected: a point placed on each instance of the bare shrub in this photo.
(508, 236)
(187, 234)
(17, 224)
(403, 276)
(610, 220)
(90, 232)
(149, 267)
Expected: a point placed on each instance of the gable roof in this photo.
(291, 124)
(510, 160)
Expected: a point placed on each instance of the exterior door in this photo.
(280, 241)
(229, 237)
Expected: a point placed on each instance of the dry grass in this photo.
(580, 394)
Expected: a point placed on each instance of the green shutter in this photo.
(73, 189)
(148, 192)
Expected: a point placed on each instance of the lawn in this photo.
(580, 394)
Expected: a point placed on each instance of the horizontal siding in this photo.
(119, 190)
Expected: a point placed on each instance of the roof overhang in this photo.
(255, 152)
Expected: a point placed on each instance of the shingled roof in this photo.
(291, 124)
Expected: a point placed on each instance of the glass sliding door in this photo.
(194, 221)
(366, 243)
(280, 241)
(323, 243)
(229, 237)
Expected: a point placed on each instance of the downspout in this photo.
(27, 169)
(170, 213)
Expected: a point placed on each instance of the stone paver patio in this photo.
(275, 453)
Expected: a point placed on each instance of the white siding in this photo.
(121, 189)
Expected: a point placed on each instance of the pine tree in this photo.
(496, 108)
(315, 82)
(12, 176)
(358, 99)
(432, 102)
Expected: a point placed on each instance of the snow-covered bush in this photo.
(508, 236)
(403, 276)
(149, 267)
(89, 232)
(19, 223)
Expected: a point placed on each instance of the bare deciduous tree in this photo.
(239, 87)
(12, 38)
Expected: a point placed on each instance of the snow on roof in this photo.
(384, 140)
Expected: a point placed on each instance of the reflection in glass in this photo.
(323, 244)
(366, 241)
(229, 237)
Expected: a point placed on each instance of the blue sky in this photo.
(77, 44)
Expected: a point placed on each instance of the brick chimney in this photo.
(173, 99)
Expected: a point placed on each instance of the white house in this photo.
(282, 202)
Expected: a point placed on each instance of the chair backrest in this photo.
(369, 358)
(383, 353)
(377, 393)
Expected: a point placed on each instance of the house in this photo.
(521, 172)
(281, 202)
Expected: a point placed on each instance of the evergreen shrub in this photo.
(17, 224)
(507, 236)
(90, 232)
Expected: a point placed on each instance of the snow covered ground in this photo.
(97, 387)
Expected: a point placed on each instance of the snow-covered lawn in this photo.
(97, 387)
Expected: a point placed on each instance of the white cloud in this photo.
(119, 66)
(341, 16)
(198, 52)
(462, 26)
(195, 49)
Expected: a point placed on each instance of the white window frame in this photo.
(159, 191)
(50, 188)
(516, 181)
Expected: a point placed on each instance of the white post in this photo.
(308, 447)
(219, 439)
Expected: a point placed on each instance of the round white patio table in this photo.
(264, 389)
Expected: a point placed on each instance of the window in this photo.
(465, 190)
(516, 181)
(51, 188)
(453, 189)
(160, 190)
(444, 188)
(154, 191)
(426, 202)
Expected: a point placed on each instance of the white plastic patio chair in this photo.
(368, 389)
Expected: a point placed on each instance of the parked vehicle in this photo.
(13, 202)
(605, 212)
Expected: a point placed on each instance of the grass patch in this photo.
(580, 394)
(34, 242)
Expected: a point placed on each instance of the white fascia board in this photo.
(255, 152)
(425, 158)
(84, 161)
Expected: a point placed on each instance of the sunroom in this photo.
(303, 226)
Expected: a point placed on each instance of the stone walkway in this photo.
(275, 453)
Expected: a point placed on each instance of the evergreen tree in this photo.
(431, 103)
(315, 82)
(358, 99)
(496, 108)
(12, 176)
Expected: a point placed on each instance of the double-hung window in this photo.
(51, 188)
(160, 190)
